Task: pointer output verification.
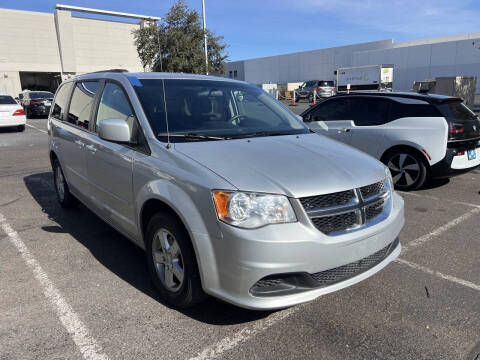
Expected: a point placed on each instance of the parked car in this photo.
(324, 88)
(36, 102)
(225, 189)
(11, 113)
(417, 136)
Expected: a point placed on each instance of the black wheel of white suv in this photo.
(408, 169)
(64, 197)
(171, 262)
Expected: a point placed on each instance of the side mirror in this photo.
(115, 130)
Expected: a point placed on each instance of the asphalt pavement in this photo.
(73, 288)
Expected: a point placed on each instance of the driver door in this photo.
(332, 118)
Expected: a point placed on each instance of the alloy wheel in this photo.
(168, 260)
(405, 169)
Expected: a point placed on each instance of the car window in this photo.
(369, 111)
(114, 104)
(81, 103)
(325, 83)
(214, 108)
(311, 83)
(334, 109)
(41, 95)
(7, 100)
(402, 110)
(61, 100)
(456, 110)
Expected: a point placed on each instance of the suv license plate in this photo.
(472, 154)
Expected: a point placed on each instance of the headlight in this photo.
(252, 210)
(389, 178)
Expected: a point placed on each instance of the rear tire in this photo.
(408, 168)
(21, 128)
(172, 263)
(64, 197)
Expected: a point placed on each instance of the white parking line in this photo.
(438, 199)
(87, 345)
(439, 274)
(216, 350)
(440, 230)
(36, 128)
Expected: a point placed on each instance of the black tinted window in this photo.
(334, 109)
(40, 95)
(456, 110)
(61, 100)
(325, 83)
(7, 100)
(401, 110)
(82, 102)
(369, 111)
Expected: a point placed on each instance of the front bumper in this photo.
(243, 257)
(453, 164)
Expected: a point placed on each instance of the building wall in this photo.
(60, 42)
(427, 61)
(457, 55)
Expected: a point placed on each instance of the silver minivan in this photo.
(225, 189)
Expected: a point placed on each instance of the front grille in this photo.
(372, 211)
(341, 273)
(334, 223)
(328, 200)
(371, 190)
(339, 212)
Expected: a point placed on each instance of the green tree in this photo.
(176, 44)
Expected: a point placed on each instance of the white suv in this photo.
(417, 136)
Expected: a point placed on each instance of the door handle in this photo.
(80, 143)
(91, 148)
(344, 130)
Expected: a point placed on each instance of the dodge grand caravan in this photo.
(226, 190)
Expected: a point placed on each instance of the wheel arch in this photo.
(400, 147)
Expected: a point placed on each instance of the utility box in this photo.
(459, 86)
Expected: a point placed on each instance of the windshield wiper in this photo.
(192, 136)
(262, 133)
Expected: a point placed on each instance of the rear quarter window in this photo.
(456, 110)
(61, 101)
(402, 110)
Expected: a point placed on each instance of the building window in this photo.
(235, 74)
(230, 73)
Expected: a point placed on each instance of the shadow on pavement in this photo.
(119, 255)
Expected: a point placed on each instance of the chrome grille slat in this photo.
(344, 211)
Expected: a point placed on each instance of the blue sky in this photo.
(255, 28)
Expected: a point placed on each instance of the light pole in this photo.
(205, 36)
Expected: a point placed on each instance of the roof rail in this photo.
(109, 70)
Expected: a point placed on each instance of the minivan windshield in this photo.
(40, 95)
(213, 110)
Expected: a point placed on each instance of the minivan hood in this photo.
(294, 165)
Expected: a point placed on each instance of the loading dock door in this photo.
(40, 81)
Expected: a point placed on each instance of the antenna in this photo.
(166, 113)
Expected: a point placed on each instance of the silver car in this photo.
(225, 189)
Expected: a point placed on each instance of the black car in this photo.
(36, 102)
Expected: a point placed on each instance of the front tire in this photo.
(172, 263)
(408, 169)
(64, 197)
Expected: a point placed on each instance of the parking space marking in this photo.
(36, 128)
(439, 274)
(440, 230)
(88, 346)
(438, 199)
(229, 342)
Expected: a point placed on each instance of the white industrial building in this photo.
(457, 55)
(39, 49)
